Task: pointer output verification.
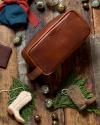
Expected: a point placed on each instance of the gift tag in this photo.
(77, 97)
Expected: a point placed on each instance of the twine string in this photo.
(7, 91)
(65, 91)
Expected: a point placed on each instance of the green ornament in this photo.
(45, 89)
(95, 4)
(49, 103)
(18, 39)
(40, 4)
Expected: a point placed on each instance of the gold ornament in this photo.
(61, 8)
(51, 3)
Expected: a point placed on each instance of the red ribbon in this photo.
(24, 4)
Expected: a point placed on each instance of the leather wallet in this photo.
(56, 42)
(5, 53)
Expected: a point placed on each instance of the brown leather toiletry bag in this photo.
(56, 42)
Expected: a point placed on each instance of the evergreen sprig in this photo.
(63, 101)
(14, 91)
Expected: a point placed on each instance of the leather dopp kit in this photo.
(55, 43)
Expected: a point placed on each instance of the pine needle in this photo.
(63, 101)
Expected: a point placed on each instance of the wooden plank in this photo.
(96, 56)
(40, 107)
(6, 36)
(72, 117)
(96, 21)
(95, 43)
(39, 101)
(83, 65)
(43, 112)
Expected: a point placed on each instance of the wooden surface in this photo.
(6, 37)
(66, 116)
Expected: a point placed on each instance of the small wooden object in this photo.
(77, 97)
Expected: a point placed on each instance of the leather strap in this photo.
(35, 73)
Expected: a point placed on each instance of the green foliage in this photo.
(14, 91)
(63, 101)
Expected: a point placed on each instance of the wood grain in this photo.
(67, 116)
(40, 98)
(83, 65)
(73, 117)
(96, 21)
(95, 43)
(43, 112)
(6, 37)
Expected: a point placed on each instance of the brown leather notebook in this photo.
(56, 42)
(5, 53)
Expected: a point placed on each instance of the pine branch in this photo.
(63, 101)
(14, 91)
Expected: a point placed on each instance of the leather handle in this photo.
(35, 73)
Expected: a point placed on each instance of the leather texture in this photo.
(5, 53)
(56, 42)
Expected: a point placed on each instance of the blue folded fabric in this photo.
(13, 14)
